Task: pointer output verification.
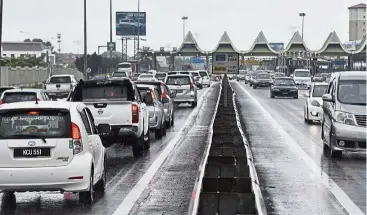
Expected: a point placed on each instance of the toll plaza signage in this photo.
(225, 63)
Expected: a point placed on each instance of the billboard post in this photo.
(225, 63)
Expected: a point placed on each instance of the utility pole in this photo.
(184, 18)
(1, 25)
(111, 27)
(85, 41)
(303, 21)
(137, 64)
(59, 42)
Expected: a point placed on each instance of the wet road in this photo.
(296, 176)
(169, 190)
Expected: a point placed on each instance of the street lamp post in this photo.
(1, 25)
(111, 27)
(184, 18)
(85, 40)
(303, 21)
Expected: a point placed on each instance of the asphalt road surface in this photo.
(160, 182)
(295, 175)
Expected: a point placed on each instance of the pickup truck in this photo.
(117, 103)
(59, 86)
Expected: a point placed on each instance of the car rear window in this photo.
(35, 123)
(319, 90)
(161, 75)
(265, 76)
(11, 97)
(203, 74)
(105, 92)
(60, 80)
(195, 74)
(119, 74)
(286, 82)
(180, 80)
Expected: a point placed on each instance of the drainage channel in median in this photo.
(226, 184)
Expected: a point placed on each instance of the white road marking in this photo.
(339, 194)
(128, 203)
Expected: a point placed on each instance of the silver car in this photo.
(184, 87)
(156, 110)
(344, 113)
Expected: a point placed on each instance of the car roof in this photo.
(320, 84)
(62, 76)
(352, 75)
(284, 78)
(145, 86)
(25, 90)
(147, 74)
(41, 104)
(179, 75)
(149, 82)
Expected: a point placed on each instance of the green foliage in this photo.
(23, 61)
(97, 63)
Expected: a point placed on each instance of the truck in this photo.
(59, 86)
(116, 102)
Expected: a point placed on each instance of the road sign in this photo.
(225, 63)
(197, 60)
(111, 46)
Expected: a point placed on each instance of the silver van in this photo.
(344, 113)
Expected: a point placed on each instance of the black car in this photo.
(284, 87)
(262, 80)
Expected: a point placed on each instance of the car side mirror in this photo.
(173, 95)
(104, 129)
(327, 98)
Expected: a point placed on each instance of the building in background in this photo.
(19, 49)
(357, 22)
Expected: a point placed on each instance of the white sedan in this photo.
(50, 146)
(313, 105)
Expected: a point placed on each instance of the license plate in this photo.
(285, 93)
(32, 152)
(179, 91)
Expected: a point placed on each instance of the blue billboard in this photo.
(277, 46)
(128, 23)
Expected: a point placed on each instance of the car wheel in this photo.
(250, 85)
(173, 120)
(307, 117)
(101, 185)
(272, 95)
(295, 97)
(159, 133)
(254, 86)
(87, 197)
(164, 129)
(147, 141)
(8, 201)
(334, 153)
(194, 104)
(138, 146)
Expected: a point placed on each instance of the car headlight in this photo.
(345, 118)
(315, 103)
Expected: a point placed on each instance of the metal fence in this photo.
(32, 76)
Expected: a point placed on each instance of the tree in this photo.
(37, 40)
(94, 62)
(27, 40)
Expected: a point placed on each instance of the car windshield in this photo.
(119, 74)
(263, 76)
(319, 90)
(160, 75)
(146, 76)
(352, 92)
(180, 80)
(284, 82)
(195, 74)
(60, 80)
(185, 73)
(34, 123)
(279, 75)
(203, 74)
(105, 92)
(302, 74)
(11, 97)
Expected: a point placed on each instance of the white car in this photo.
(302, 77)
(147, 77)
(206, 79)
(50, 146)
(23, 95)
(313, 105)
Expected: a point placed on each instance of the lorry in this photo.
(116, 102)
(59, 86)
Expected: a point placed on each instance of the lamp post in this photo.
(1, 25)
(85, 40)
(184, 18)
(303, 21)
(111, 26)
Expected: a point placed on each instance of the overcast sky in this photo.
(207, 19)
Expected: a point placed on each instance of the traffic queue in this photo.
(55, 139)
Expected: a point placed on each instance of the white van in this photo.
(302, 77)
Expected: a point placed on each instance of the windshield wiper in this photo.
(30, 136)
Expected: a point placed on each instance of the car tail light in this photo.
(1, 102)
(77, 139)
(38, 99)
(191, 86)
(135, 113)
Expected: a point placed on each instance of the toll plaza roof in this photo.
(260, 47)
(225, 45)
(189, 46)
(296, 44)
(332, 46)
